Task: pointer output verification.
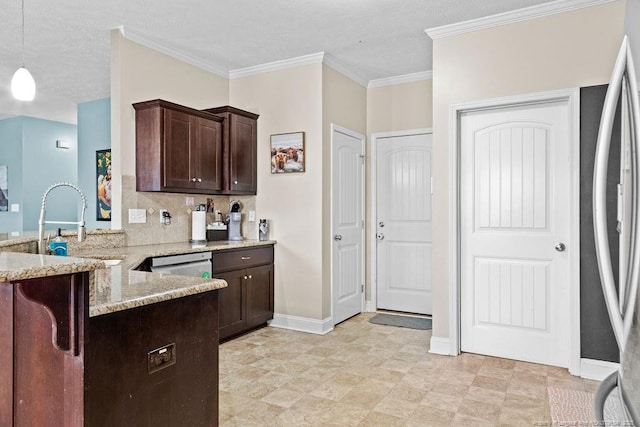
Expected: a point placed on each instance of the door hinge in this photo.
(361, 158)
(362, 288)
(362, 224)
(432, 186)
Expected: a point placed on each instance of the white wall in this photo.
(565, 50)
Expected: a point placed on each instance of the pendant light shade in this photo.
(23, 87)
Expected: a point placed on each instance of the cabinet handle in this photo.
(244, 258)
(245, 277)
(193, 179)
(250, 276)
(199, 179)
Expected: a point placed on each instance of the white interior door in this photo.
(515, 192)
(403, 223)
(347, 182)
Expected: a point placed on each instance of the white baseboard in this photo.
(439, 346)
(302, 324)
(369, 306)
(597, 369)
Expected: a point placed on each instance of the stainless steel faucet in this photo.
(42, 248)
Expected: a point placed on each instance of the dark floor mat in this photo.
(401, 321)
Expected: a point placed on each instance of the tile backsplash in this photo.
(153, 232)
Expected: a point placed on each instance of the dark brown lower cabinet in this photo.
(62, 368)
(247, 302)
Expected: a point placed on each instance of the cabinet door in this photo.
(232, 305)
(259, 295)
(177, 150)
(242, 155)
(207, 155)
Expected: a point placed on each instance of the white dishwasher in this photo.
(195, 264)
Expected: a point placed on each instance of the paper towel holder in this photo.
(199, 225)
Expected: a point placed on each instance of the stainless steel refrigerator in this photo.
(622, 298)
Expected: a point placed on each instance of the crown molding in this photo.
(299, 61)
(181, 56)
(405, 78)
(314, 58)
(511, 17)
(332, 62)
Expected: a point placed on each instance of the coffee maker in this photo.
(235, 217)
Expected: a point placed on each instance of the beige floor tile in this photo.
(366, 399)
(484, 395)
(442, 401)
(465, 420)
(396, 407)
(429, 416)
(490, 383)
(282, 397)
(331, 391)
(372, 375)
(482, 410)
(378, 419)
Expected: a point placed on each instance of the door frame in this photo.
(362, 138)
(372, 304)
(572, 98)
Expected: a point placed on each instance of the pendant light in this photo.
(23, 87)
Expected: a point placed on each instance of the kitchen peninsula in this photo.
(108, 346)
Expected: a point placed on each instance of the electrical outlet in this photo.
(15, 207)
(189, 201)
(252, 216)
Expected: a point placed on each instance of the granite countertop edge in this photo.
(147, 288)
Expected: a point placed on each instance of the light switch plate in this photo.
(15, 207)
(137, 216)
(252, 216)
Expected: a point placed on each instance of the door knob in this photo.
(380, 236)
(560, 247)
(337, 237)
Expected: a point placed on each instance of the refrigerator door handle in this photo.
(620, 311)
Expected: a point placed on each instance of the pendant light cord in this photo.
(22, 33)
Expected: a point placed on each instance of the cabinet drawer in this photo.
(242, 258)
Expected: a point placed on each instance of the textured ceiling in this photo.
(67, 41)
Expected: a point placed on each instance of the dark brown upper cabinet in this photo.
(178, 149)
(239, 150)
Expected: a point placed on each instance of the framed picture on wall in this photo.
(4, 188)
(287, 152)
(103, 175)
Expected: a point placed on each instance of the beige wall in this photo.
(566, 50)
(290, 101)
(400, 107)
(344, 103)
(140, 74)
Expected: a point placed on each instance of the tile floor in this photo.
(363, 374)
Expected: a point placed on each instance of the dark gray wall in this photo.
(597, 339)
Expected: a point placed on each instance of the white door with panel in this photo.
(515, 195)
(403, 223)
(347, 204)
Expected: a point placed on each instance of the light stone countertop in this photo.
(119, 287)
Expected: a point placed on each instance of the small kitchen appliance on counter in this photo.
(263, 230)
(235, 217)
